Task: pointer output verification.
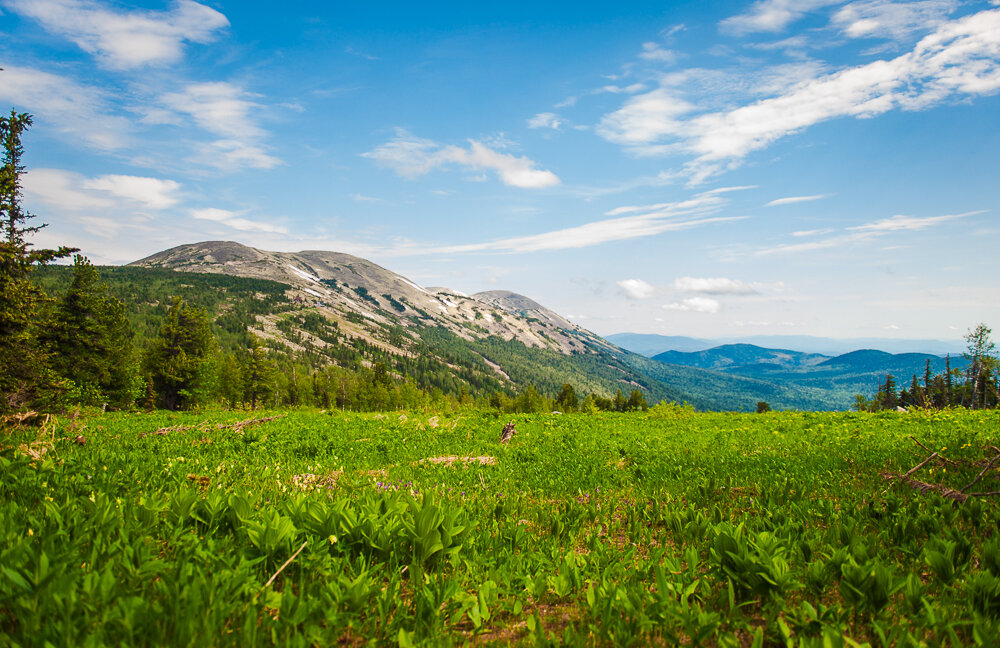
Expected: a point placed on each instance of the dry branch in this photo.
(984, 471)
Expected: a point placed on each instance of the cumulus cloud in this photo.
(695, 305)
(153, 193)
(636, 288)
(125, 39)
(771, 15)
(791, 200)
(64, 105)
(412, 156)
(714, 286)
(234, 220)
(960, 59)
(895, 20)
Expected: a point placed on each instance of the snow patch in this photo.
(312, 292)
(410, 283)
(303, 274)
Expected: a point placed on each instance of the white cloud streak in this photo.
(714, 286)
(959, 59)
(695, 305)
(411, 156)
(546, 120)
(70, 191)
(125, 39)
(865, 232)
(234, 220)
(792, 200)
(668, 217)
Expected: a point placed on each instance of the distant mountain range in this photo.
(649, 344)
(500, 340)
(856, 372)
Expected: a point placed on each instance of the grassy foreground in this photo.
(664, 528)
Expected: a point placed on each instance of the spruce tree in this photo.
(258, 373)
(90, 341)
(178, 359)
(25, 376)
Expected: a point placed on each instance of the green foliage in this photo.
(91, 343)
(178, 360)
(670, 527)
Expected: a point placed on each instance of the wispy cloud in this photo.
(901, 223)
(772, 15)
(714, 286)
(125, 39)
(227, 111)
(235, 220)
(695, 305)
(864, 232)
(636, 288)
(895, 20)
(791, 200)
(668, 217)
(412, 156)
(84, 113)
(960, 58)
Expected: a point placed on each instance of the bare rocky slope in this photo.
(493, 339)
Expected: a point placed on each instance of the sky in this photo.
(778, 167)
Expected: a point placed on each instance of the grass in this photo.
(315, 528)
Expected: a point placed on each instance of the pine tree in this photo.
(258, 374)
(91, 342)
(178, 359)
(25, 376)
(566, 400)
(636, 402)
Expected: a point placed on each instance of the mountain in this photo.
(339, 308)
(839, 377)
(731, 357)
(649, 345)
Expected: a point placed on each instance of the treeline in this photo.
(975, 387)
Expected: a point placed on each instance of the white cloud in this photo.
(908, 223)
(895, 20)
(865, 232)
(772, 15)
(714, 286)
(218, 107)
(226, 111)
(791, 200)
(125, 39)
(668, 217)
(232, 154)
(695, 305)
(636, 288)
(70, 191)
(233, 220)
(65, 106)
(152, 193)
(959, 59)
(412, 156)
(653, 52)
(545, 120)
(815, 232)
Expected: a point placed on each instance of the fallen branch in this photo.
(984, 471)
(281, 569)
(941, 457)
(239, 425)
(944, 491)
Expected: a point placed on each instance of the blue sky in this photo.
(803, 167)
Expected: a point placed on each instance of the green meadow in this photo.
(669, 527)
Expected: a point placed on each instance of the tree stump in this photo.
(508, 432)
